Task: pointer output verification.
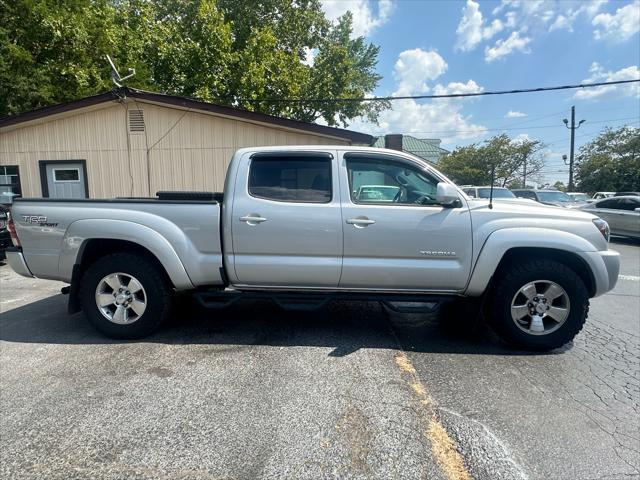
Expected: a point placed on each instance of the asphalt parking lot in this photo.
(351, 391)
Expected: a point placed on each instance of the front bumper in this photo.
(15, 259)
(605, 266)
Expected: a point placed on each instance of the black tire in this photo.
(517, 275)
(157, 291)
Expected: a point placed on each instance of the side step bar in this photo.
(400, 303)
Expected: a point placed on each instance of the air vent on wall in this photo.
(136, 121)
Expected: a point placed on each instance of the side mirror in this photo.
(446, 194)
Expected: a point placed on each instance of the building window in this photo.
(66, 174)
(291, 179)
(9, 183)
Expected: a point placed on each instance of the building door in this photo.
(64, 180)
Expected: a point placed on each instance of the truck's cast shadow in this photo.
(342, 326)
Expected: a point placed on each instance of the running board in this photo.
(290, 300)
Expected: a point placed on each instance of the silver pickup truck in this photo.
(304, 224)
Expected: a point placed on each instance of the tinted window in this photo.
(394, 183)
(612, 203)
(291, 179)
(530, 195)
(497, 193)
(629, 204)
(554, 197)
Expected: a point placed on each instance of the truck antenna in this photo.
(115, 76)
(493, 179)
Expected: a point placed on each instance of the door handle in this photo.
(252, 219)
(360, 221)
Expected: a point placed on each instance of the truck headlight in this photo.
(603, 227)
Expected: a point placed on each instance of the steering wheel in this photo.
(420, 200)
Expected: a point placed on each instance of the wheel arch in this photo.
(567, 258)
(508, 245)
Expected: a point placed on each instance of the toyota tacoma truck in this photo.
(294, 225)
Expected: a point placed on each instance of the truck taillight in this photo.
(12, 231)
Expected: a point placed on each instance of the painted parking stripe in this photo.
(633, 278)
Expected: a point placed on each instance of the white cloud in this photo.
(565, 19)
(505, 47)
(598, 74)
(620, 26)
(365, 20)
(442, 118)
(472, 30)
(561, 22)
(414, 67)
(514, 114)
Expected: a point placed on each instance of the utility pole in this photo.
(524, 174)
(573, 129)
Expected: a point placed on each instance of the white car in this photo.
(601, 195)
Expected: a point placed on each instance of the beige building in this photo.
(135, 143)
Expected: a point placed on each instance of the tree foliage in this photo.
(233, 52)
(611, 162)
(472, 165)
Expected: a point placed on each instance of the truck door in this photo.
(396, 235)
(286, 224)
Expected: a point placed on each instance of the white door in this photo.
(396, 235)
(66, 180)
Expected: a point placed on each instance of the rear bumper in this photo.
(15, 259)
(605, 266)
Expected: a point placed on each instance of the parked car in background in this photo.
(579, 197)
(621, 213)
(599, 195)
(5, 237)
(548, 197)
(626, 194)
(381, 193)
(485, 192)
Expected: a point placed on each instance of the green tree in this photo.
(611, 162)
(234, 52)
(473, 164)
(559, 185)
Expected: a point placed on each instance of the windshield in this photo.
(580, 197)
(554, 197)
(497, 193)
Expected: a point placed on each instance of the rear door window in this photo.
(291, 179)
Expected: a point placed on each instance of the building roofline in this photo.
(188, 103)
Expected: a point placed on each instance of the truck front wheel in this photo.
(125, 295)
(539, 304)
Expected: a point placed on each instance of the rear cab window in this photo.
(291, 178)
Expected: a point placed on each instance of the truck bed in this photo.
(183, 234)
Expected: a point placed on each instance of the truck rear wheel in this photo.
(125, 296)
(539, 304)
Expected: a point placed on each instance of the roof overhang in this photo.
(97, 101)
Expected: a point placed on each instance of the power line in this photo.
(482, 129)
(424, 97)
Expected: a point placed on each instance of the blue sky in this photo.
(440, 46)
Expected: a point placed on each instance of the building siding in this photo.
(187, 150)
